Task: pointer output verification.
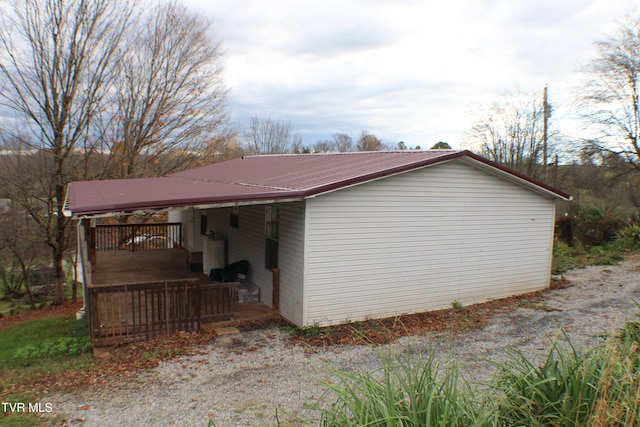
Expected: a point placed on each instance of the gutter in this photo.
(82, 312)
(65, 206)
(150, 210)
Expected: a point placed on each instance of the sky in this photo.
(403, 70)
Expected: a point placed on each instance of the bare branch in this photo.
(609, 97)
(169, 99)
(269, 136)
(55, 77)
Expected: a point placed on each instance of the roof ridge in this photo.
(351, 153)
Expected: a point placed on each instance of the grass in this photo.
(306, 331)
(560, 391)
(409, 391)
(34, 349)
(568, 258)
(594, 388)
(10, 306)
(56, 339)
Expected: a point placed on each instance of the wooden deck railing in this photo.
(137, 237)
(136, 312)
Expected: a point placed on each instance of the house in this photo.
(336, 238)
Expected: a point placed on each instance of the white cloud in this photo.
(404, 70)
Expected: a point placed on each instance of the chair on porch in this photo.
(247, 291)
(232, 271)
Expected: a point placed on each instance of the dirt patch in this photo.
(384, 331)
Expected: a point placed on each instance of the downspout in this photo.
(82, 312)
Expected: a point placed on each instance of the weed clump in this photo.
(596, 387)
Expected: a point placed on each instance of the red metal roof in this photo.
(259, 178)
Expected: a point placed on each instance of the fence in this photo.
(135, 312)
(137, 237)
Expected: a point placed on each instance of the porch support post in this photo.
(90, 229)
(275, 292)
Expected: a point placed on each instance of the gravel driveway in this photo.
(240, 380)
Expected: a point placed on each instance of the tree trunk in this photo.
(58, 264)
(59, 245)
(27, 285)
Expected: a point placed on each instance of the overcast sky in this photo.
(403, 70)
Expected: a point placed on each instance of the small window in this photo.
(271, 236)
(234, 217)
(203, 225)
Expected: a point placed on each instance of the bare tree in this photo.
(343, 142)
(298, 148)
(610, 93)
(266, 135)
(168, 103)
(325, 146)
(19, 239)
(511, 132)
(55, 73)
(368, 142)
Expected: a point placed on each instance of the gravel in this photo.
(240, 380)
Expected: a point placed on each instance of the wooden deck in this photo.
(139, 295)
(246, 313)
(123, 267)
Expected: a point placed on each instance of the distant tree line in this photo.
(267, 135)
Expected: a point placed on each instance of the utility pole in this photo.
(546, 114)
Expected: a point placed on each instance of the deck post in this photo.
(91, 243)
(166, 306)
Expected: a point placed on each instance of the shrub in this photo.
(11, 280)
(589, 226)
(457, 305)
(305, 331)
(559, 392)
(629, 237)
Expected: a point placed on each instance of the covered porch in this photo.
(139, 285)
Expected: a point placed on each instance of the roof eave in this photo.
(145, 208)
(523, 179)
(504, 171)
(316, 191)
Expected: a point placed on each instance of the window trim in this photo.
(234, 217)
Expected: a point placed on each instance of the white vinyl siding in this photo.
(247, 241)
(190, 219)
(421, 240)
(291, 260)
